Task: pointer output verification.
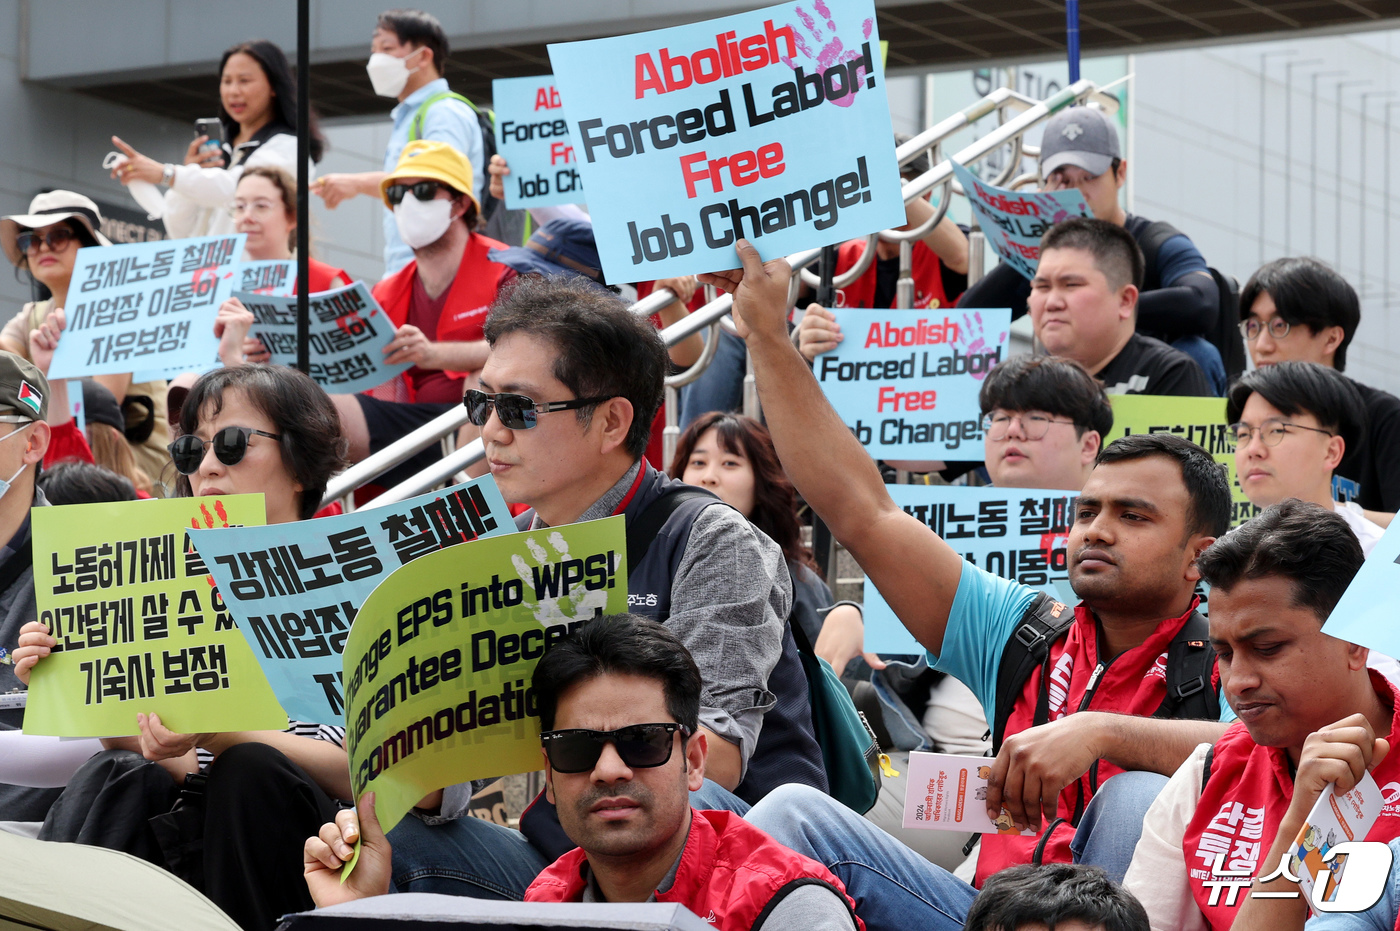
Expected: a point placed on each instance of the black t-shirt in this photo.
(1149, 366)
(1375, 463)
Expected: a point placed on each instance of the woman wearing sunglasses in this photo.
(44, 244)
(245, 429)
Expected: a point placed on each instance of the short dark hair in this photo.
(1115, 251)
(313, 445)
(915, 166)
(604, 350)
(1205, 479)
(1304, 387)
(1051, 894)
(1307, 292)
(1311, 546)
(620, 644)
(1053, 384)
(75, 482)
(418, 28)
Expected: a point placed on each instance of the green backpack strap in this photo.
(415, 129)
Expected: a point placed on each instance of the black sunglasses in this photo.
(423, 190)
(230, 445)
(517, 412)
(641, 746)
(56, 239)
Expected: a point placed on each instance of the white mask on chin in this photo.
(422, 223)
(388, 74)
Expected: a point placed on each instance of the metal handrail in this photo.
(712, 312)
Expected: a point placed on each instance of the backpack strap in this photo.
(1150, 242)
(415, 129)
(1190, 662)
(1044, 622)
(1205, 769)
(642, 529)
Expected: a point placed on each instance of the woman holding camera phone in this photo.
(258, 112)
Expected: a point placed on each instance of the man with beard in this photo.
(1072, 696)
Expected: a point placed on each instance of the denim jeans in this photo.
(483, 860)
(1207, 356)
(895, 889)
(721, 386)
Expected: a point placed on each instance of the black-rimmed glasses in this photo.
(641, 746)
(516, 411)
(230, 446)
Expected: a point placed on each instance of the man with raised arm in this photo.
(1065, 721)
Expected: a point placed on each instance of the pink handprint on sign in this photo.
(817, 41)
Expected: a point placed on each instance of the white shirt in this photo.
(1366, 530)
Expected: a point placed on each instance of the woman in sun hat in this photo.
(44, 243)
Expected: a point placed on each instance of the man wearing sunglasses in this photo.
(623, 749)
(1300, 310)
(438, 302)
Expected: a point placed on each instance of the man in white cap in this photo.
(1180, 302)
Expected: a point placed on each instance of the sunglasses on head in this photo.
(423, 190)
(230, 446)
(516, 411)
(56, 239)
(641, 746)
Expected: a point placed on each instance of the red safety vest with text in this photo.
(926, 271)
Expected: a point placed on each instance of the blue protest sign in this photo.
(349, 331)
(906, 382)
(771, 125)
(533, 136)
(1014, 221)
(145, 305)
(1366, 613)
(76, 408)
(277, 277)
(1016, 533)
(294, 588)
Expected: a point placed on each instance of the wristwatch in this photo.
(167, 175)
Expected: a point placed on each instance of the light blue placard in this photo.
(76, 408)
(146, 306)
(294, 588)
(906, 381)
(774, 120)
(1014, 221)
(1016, 533)
(532, 135)
(1366, 613)
(277, 277)
(348, 333)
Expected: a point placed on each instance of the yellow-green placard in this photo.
(439, 659)
(139, 624)
(1200, 420)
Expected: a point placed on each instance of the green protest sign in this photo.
(139, 624)
(439, 659)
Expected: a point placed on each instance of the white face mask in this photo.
(389, 73)
(4, 484)
(422, 223)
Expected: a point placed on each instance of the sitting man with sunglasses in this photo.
(438, 302)
(616, 699)
(695, 564)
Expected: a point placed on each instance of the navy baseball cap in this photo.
(560, 247)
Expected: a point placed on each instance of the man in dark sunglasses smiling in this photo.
(620, 716)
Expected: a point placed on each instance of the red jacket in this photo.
(473, 291)
(1246, 795)
(319, 276)
(926, 270)
(728, 874)
(1134, 682)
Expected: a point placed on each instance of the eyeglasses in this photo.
(1271, 432)
(230, 446)
(516, 411)
(423, 190)
(253, 208)
(1033, 425)
(641, 746)
(56, 239)
(1278, 328)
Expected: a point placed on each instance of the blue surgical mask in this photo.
(5, 483)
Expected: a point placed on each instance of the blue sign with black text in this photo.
(532, 135)
(771, 125)
(906, 382)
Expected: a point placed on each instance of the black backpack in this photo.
(1226, 335)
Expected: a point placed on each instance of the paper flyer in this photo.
(1334, 819)
(948, 792)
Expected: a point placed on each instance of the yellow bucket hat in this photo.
(424, 158)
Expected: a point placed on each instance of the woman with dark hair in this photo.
(733, 456)
(258, 110)
(249, 428)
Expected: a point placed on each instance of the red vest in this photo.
(926, 270)
(1244, 799)
(319, 276)
(1134, 682)
(473, 291)
(729, 872)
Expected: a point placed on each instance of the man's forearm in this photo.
(1286, 913)
(460, 357)
(1155, 745)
